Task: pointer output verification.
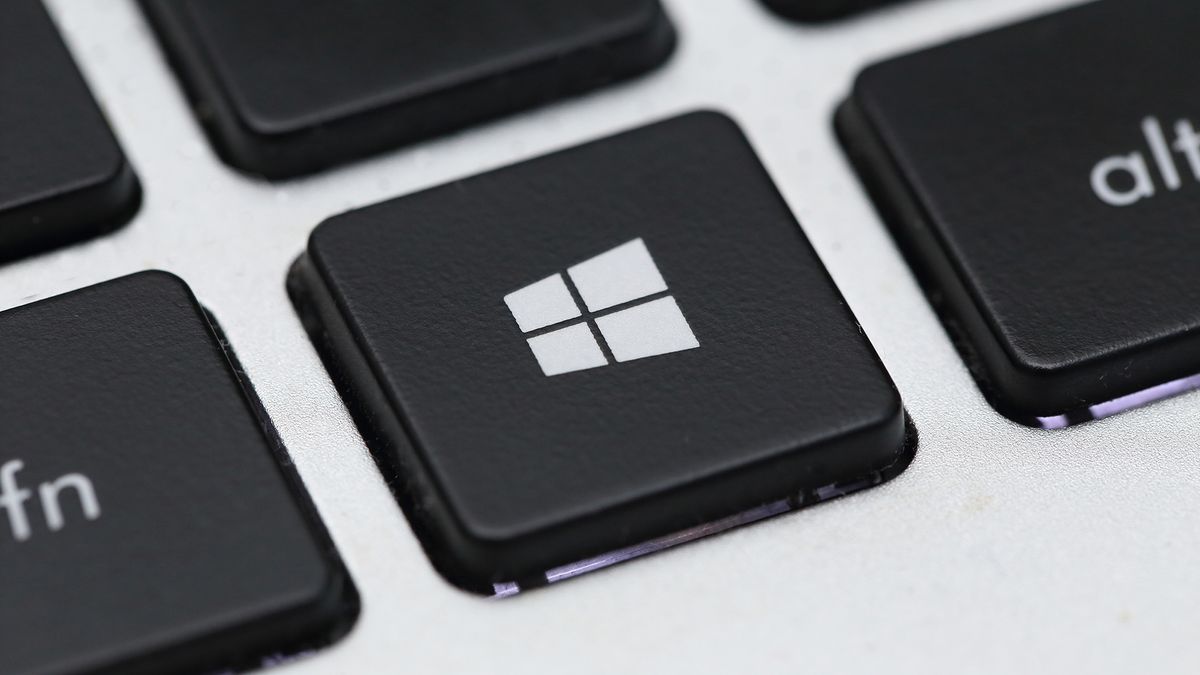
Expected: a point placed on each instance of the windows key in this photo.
(594, 354)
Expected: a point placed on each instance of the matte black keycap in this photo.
(62, 175)
(1045, 181)
(147, 521)
(287, 87)
(588, 350)
(821, 10)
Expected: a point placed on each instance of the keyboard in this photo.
(733, 336)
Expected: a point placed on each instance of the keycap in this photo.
(821, 10)
(1052, 215)
(149, 519)
(63, 177)
(288, 87)
(620, 343)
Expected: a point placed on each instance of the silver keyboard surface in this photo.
(1002, 549)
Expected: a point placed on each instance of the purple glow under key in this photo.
(1127, 402)
(1141, 398)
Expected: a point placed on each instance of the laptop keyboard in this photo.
(559, 363)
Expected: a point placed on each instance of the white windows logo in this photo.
(629, 313)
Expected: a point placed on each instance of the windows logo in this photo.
(629, 313)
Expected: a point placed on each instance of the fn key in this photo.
(147, 524)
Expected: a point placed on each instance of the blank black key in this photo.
(1044, 180)
(62, 175)
(585, 351)
(146, 522)
(821, 10)
(291, 86)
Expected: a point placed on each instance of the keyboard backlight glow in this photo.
(1128, 402)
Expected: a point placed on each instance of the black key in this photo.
(589, 350)
(62, 175)
(1044, 180)
(147, 522)
(288, 87)
(821, 10)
